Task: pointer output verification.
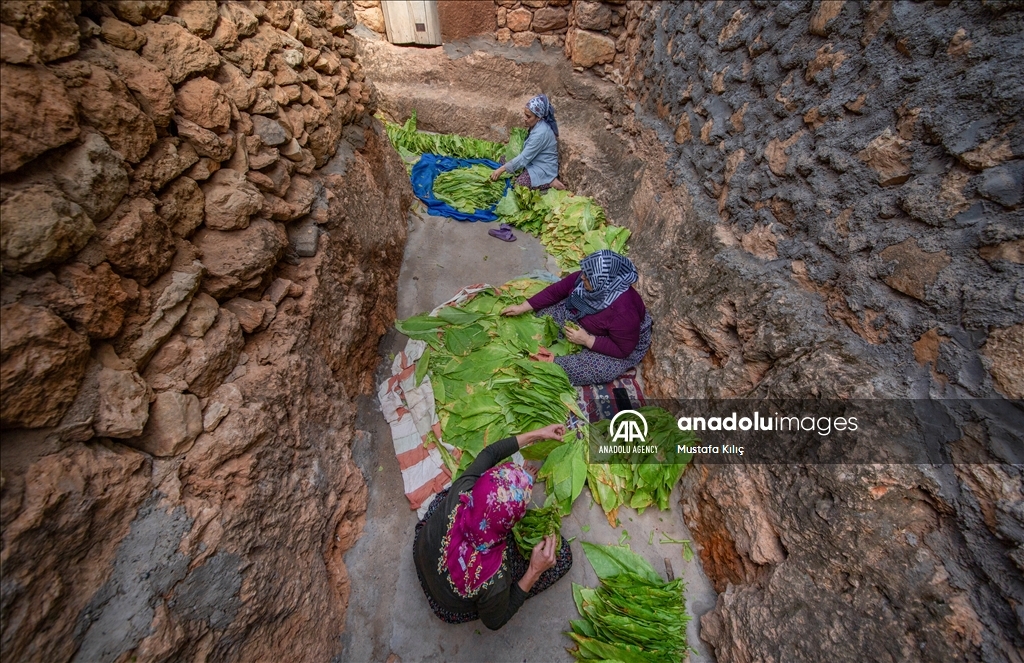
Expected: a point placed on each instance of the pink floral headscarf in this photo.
(480, 523)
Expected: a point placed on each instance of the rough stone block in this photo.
(202, 363)
(41, 228)
(589, 48)
(137, 241)
(229, 200)
(93, 300)
(200, 16)
(205, 142)
(915, 269)
(138, 12)
(304, 238)
(270, 131)
(237, 260)
(175, 421)
(547, 19)
(593, 16)
(821, 22)
(50, 26)
(168, 310)
(177, 52)
(42, 363)
(519, 20)
(889, 157)
(123, 396)
(120, 34)
(36, 115)
(1004, 357)
(1003, 184)
(204, 102)
(249, 313)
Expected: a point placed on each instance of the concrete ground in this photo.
(388, 616)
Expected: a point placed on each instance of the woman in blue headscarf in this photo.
(614, 326)
(539, 158)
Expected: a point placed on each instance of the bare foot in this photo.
(532, 467)
(557, 184)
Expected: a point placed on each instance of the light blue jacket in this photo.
(539, 155)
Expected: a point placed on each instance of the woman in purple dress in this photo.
(614, 326)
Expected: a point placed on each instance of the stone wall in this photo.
(369, 14)
(202, 228)
(593, 34)
(841, 218)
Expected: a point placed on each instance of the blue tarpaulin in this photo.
(428, 168)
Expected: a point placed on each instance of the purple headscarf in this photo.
(542, 108)
(486, 514)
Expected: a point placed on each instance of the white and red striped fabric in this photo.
(412, 414)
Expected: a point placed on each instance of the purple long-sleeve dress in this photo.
(622, 331)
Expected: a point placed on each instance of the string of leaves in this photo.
(633, 616)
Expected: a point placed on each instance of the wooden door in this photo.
(412, 22)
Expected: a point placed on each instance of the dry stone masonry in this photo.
(202, 228)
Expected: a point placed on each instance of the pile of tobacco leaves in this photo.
(639, 480)
(485, 386)
(569, 226)
(468, 189)
(633, 616)
(534, 526)
(410, 143)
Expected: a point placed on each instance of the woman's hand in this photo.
(517, 309)
(541, 559)
(543, 556)
(579, 336)
(543, 354)
(497, 172)
(549, 432)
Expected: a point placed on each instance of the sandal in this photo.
(503, 232)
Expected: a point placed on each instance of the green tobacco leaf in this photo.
(420, 323)
(457, 316)
(595, 650)
(457, 342)
(421, 366)
(611, 560)
(540, 450)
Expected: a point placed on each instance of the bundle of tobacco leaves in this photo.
(516, 139)
(565, 469)
(633, 616)
(406, 137)
(468, 189)
(640, 480)
(534, 526)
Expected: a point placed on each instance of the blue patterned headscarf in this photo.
(609, 273)
(542, 108)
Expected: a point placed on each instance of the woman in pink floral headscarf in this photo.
(465, 556)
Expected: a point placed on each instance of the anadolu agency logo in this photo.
(626, 425)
